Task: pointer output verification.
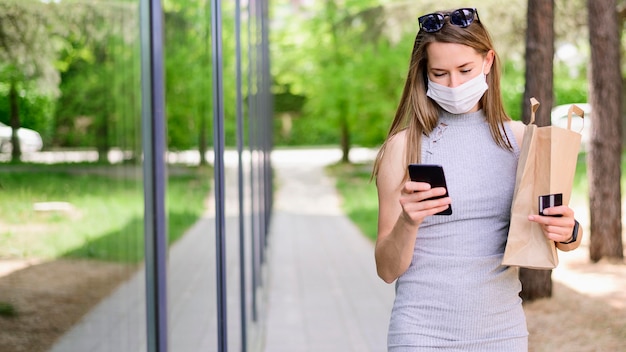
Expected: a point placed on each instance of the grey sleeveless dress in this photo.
(456, 296)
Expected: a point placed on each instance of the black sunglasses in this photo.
(433, 22)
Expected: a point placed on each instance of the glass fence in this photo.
(135, 176)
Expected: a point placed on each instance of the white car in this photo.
(583, 126)
(30, 140)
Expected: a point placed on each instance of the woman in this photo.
(452, 293)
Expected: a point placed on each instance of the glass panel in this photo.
(71, 219)
(72, 273)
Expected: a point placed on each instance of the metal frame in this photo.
(153, 133)
(260, 179)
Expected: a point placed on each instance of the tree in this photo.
(604, 157)
(539, 77)
(40, 40)
(350, 91)
(27, 54)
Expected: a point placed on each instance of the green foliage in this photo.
(99, 105)
(350, 60)
(342, 63)
(569, 88)
(7, 310)
(512, 87)
(106, 218)
(188, 61)
(352, 83)
(90, 113)
(188, 90)
(36, 109)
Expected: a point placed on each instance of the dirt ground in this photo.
(49, 297)
(586, 313)
(587, 310)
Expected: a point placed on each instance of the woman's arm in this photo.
(401, 209)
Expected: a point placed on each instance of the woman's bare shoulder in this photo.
(393, 158)
(395, 148)
(518, 129)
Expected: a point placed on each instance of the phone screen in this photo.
(432, 174)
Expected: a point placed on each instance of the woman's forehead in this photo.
(450, 55)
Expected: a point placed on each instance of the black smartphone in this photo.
(550, 200)
(432, 174)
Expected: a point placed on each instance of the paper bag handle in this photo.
(574, 109)
(534, 105)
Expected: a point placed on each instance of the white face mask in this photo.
(462, 98)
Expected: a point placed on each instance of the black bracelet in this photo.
(574, 233)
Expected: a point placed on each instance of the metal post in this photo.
(252, 128)
(268, 112)
(240, 127)
(218, 141)
(153, 132)
(259, 138)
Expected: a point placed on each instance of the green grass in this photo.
(360, 200)
(7, 310)
(106, 222)
(359, 197)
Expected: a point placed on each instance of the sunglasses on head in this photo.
(433, 22)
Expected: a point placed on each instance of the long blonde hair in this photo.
(418, 114)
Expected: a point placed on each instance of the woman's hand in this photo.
(415, 202)
(557, 224)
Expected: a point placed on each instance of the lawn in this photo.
(103, 214)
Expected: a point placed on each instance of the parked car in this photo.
(583, 126)
(30, 140)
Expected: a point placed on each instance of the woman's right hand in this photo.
(416, 203)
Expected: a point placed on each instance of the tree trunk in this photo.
(344, 125)
(605, 150)
(102, 139)
(539, 60)
(539, 76)
(345, 133)
(535, 283)
(203, 144)
(16, 151)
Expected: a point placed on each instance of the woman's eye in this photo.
(439, 74)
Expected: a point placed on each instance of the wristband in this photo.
(574, 234)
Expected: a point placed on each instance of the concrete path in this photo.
(320, 291)
(324, 294)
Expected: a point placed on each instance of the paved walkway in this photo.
(320, 290)
(324, 294)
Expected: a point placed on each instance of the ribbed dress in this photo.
(456, 295)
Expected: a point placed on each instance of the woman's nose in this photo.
(454, 81)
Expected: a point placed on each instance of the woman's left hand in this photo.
(557, 228)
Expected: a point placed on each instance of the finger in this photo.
(420, 210)
(412, 187)
(558, 235)
(565, 223)
(561, 210)
(555, 229)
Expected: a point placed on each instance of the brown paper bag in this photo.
(547, 164)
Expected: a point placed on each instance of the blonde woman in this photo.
(452, 293)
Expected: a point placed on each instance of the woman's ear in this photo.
(489, 59)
